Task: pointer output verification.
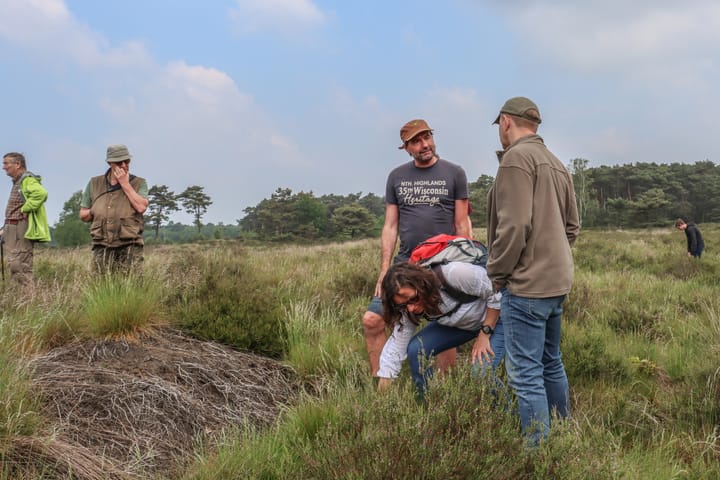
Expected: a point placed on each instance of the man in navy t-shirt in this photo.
(424, 197)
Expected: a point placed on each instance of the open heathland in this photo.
(225, 360)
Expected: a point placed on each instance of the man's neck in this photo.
(17, 177)
(519, 134)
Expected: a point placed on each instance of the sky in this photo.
(243, 97)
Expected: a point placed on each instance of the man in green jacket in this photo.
(25, 217)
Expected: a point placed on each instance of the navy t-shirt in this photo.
(426, 200)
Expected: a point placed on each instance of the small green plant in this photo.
(644, 365)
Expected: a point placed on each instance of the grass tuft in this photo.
(114, 305)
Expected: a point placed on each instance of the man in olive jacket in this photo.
(532, 223)
(115, 203)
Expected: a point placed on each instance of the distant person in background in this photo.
(695, 242)
(424, 197)
(532, 224)
(25, 218)
(115, 202)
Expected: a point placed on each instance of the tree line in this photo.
(622, 196)
(293, 216)
(646, 194)
(633, 195)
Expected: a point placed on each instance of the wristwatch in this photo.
(487, 329)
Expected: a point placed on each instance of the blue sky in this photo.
(245, 96)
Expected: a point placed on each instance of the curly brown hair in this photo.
(422, 279)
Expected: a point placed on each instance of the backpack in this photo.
(442, 249)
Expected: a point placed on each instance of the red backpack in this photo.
(445, 248)
(442, 249)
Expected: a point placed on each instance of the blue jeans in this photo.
(436, 338)
(534, 362)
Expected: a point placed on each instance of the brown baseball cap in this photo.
(412, 128)
(520, 107)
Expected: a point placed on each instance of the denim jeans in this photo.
(436, 338)
(534, 362)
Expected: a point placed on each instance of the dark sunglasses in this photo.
(410, 301)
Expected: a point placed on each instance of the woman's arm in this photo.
(469, 278)
(394, 352)
(482, 351)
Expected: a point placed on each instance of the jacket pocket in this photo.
(130, 228)
(97, 230)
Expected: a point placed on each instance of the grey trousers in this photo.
(19, 252)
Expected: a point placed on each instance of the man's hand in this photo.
(120, 174)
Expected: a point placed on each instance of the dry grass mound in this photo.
(129, 408)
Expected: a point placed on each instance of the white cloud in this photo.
(252, 16)
(203, 86)
(283, 143)
(673, 41)
(46, 29)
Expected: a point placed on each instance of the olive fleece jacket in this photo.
(532, 221)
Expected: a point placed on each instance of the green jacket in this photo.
(34, 196)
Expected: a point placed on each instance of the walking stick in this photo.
(2, 257)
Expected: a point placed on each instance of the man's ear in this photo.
(504, 121)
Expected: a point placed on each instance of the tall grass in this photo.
(323, 343)
(456, 434)
(18, 409)
(642, 350)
